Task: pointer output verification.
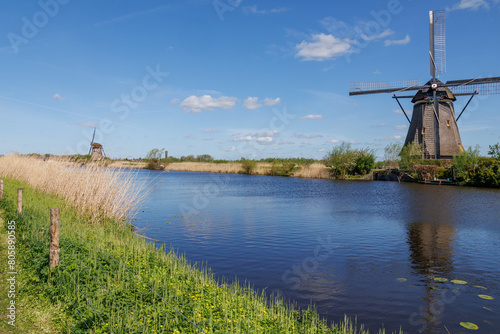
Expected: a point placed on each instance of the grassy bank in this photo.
(110, 280)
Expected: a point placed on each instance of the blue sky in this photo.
(229, 78)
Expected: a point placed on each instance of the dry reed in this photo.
(314, 171)
(97, 192)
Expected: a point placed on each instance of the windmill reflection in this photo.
(431, 253)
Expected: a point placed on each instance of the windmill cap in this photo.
(96, 145)
(442, 91)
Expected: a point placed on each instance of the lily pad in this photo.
(481, 287)
(401, 279)
(487, 308)
(440, 279)
(167, 222)
(486, 297)
(458, 281)
(469, 325)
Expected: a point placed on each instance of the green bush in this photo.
(204, 158)
(364, 163)
(410, 156)
(343, 160)
(465, 164)
(248, 166)
(487, 173)
(494, 151)
(282, 167)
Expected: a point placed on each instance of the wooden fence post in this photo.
(54, 238)
(19, 200)
(1, 189)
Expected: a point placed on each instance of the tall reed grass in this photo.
(314, 171)
(99, 193)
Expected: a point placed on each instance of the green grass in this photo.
(146, 289)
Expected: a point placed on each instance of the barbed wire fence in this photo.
(41, 235)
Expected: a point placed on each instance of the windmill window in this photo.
(448, 123)
(423, 131)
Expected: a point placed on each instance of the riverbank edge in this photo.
(40, 298)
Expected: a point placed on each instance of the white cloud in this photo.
(272, 102)
(265, 139)
(377, 72)
(334, 141)
(399, 111)
(254, 10)
(252, 103)
(385, 33)
(270, 133)
(400, 127)
(471, 4)
(312, 117)
(210, 130)
(321, 150)
(380, 125)
(230, 149)
(196, 104)
(175, 101)
(323, 47)
(190, 137)
(261, 137)
(132, 15)
(396, 137)
(58, 97)
(403, 41)
(308, 136)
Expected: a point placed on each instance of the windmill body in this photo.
(433, 125)
(96, 150)
(422, 129)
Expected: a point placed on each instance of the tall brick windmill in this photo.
(433, 123)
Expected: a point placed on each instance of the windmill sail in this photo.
(439, 32)
(482, 86)
(375, 87)
(91, 142)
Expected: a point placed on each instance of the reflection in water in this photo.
(431, 252)
(431, 247)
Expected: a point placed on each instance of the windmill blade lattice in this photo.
(483, 86)
(375, 87)
(440, 41)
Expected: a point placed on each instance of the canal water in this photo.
(418, 257)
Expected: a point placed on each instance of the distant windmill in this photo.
(96, 151)
(433, 123)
